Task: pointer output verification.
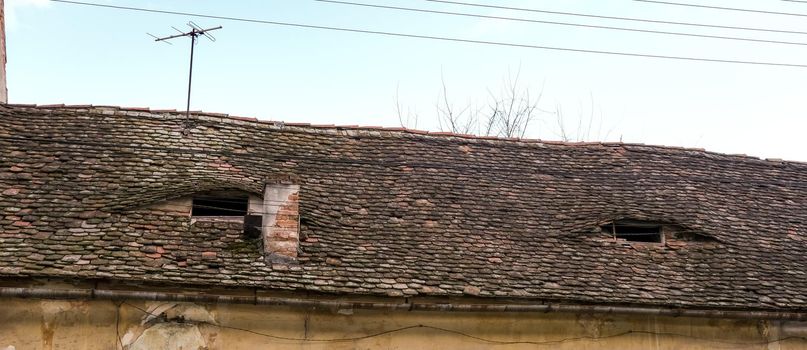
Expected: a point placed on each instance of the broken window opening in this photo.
(220, 206)
(636, 232)
(252, 226)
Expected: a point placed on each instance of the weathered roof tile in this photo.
(397, 212)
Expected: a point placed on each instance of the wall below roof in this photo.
(48, 324)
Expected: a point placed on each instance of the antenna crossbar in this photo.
(195, 32)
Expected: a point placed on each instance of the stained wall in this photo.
(98, 324)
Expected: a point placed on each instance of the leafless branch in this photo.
(511, 113)
(561, 128)
(408, 120)
(450, 119)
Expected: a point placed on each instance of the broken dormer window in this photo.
(635, 231)
(211, 205)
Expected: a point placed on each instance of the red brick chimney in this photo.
(3, 89)
(281, 219)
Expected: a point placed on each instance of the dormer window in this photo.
(229, 206)
(644, 232)
(220, 205)
(662, 233)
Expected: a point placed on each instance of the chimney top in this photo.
(281, 220)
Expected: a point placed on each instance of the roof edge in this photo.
(408, 304)
(226, 118)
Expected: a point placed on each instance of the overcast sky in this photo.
(62, 53)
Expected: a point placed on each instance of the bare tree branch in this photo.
(511, 113)
(559, 115)
(410, 120)
(450, 119)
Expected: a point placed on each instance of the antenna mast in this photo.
(194, 33)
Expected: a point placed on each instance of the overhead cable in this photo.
(440, 38)
(645, 20)
(723, 8)
(560, 23)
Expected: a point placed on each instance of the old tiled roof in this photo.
(392, 212)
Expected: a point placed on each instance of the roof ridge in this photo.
(394, 129)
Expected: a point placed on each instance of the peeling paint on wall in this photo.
(136, 325)
(170, 335)
(169, 326)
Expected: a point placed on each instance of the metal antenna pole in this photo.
(190, 77)
(195, 32)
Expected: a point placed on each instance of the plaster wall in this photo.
(48, 324)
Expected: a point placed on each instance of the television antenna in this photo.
(194, 33)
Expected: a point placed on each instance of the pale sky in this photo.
(61, 53)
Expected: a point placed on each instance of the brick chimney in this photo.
(3, 89)
(281, 219)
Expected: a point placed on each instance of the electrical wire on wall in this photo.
(730, 344)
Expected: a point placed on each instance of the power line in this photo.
(561, 23)
(619, 18)
(439, 38)
(724, 8)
